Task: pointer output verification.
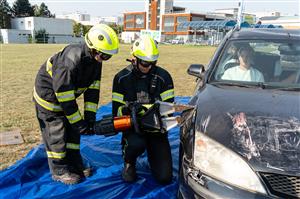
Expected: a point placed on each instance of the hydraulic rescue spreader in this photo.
(156, 119)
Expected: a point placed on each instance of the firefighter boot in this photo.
(67, 178)
(87, 172)
(83, 172)
(76, 164)
(129, 172)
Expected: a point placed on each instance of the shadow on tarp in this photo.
(30, 177)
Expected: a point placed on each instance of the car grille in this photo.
(282, 185)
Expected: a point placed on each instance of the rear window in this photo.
(272, 62)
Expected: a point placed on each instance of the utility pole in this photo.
(240, 13)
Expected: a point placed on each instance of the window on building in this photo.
(129, 21)
(129, 17)
(139, 21)
(169, 5)
(129, 25)
(168, 25)
(181, 20)
(29, 24)
(197, 18)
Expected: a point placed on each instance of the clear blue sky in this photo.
(117, 7)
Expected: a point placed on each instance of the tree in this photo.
(86, 28)
(41, 36)
(80, 30)
(42, 11)
(22, 8)
(117, 28)
(5, 14)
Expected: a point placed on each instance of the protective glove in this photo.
(89, 130)
(135, 106)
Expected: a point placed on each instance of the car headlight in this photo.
(219, 162)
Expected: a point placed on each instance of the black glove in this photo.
(134, 106)
(88, 128)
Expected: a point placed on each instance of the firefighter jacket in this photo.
(64, 77)
(130, 86)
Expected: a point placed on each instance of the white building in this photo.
(86, 19)
(52, 26)
(58, 30)
(232, 13)
(113, 19)
(77, 16)
(288, 22)
(267, 14)
(15, 36)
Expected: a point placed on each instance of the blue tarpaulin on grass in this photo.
(30, 177)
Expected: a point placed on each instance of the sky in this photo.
(118, 7)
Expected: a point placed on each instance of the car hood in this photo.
(262, 125)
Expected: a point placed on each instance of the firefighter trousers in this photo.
(158, 151)
(62, 144)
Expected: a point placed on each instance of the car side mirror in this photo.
(196, 70)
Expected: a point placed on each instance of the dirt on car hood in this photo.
(261, 125)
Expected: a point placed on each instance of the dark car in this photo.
(243, 138)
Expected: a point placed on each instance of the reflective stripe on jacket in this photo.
(130, 87)
(65, 76)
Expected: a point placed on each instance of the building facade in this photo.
(24, 29)
(162, 16)
(77, 16)
(15, 36)
(288, 22)
(135, 21)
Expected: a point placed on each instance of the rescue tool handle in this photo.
(105, 126)
(109, 125)
(133, 115)
(122, 123)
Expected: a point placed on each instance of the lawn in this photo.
(20, 63)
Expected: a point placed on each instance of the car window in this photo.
(274, 62)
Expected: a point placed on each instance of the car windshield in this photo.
(273, 63)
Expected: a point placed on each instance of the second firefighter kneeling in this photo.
(144, 82)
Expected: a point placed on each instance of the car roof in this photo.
(265, 33)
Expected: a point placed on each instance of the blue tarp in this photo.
(30, 177)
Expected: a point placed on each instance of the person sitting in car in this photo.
(244, 71)
(230, 57)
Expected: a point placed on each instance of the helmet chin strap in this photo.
(135, 64)
(95, 55)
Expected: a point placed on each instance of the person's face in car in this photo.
(245, 58)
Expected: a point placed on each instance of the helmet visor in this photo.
(103, 55)
(147, 63)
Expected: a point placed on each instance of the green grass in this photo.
(20, 63)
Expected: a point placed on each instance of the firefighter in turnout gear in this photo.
(73, 71)
(143, 82)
